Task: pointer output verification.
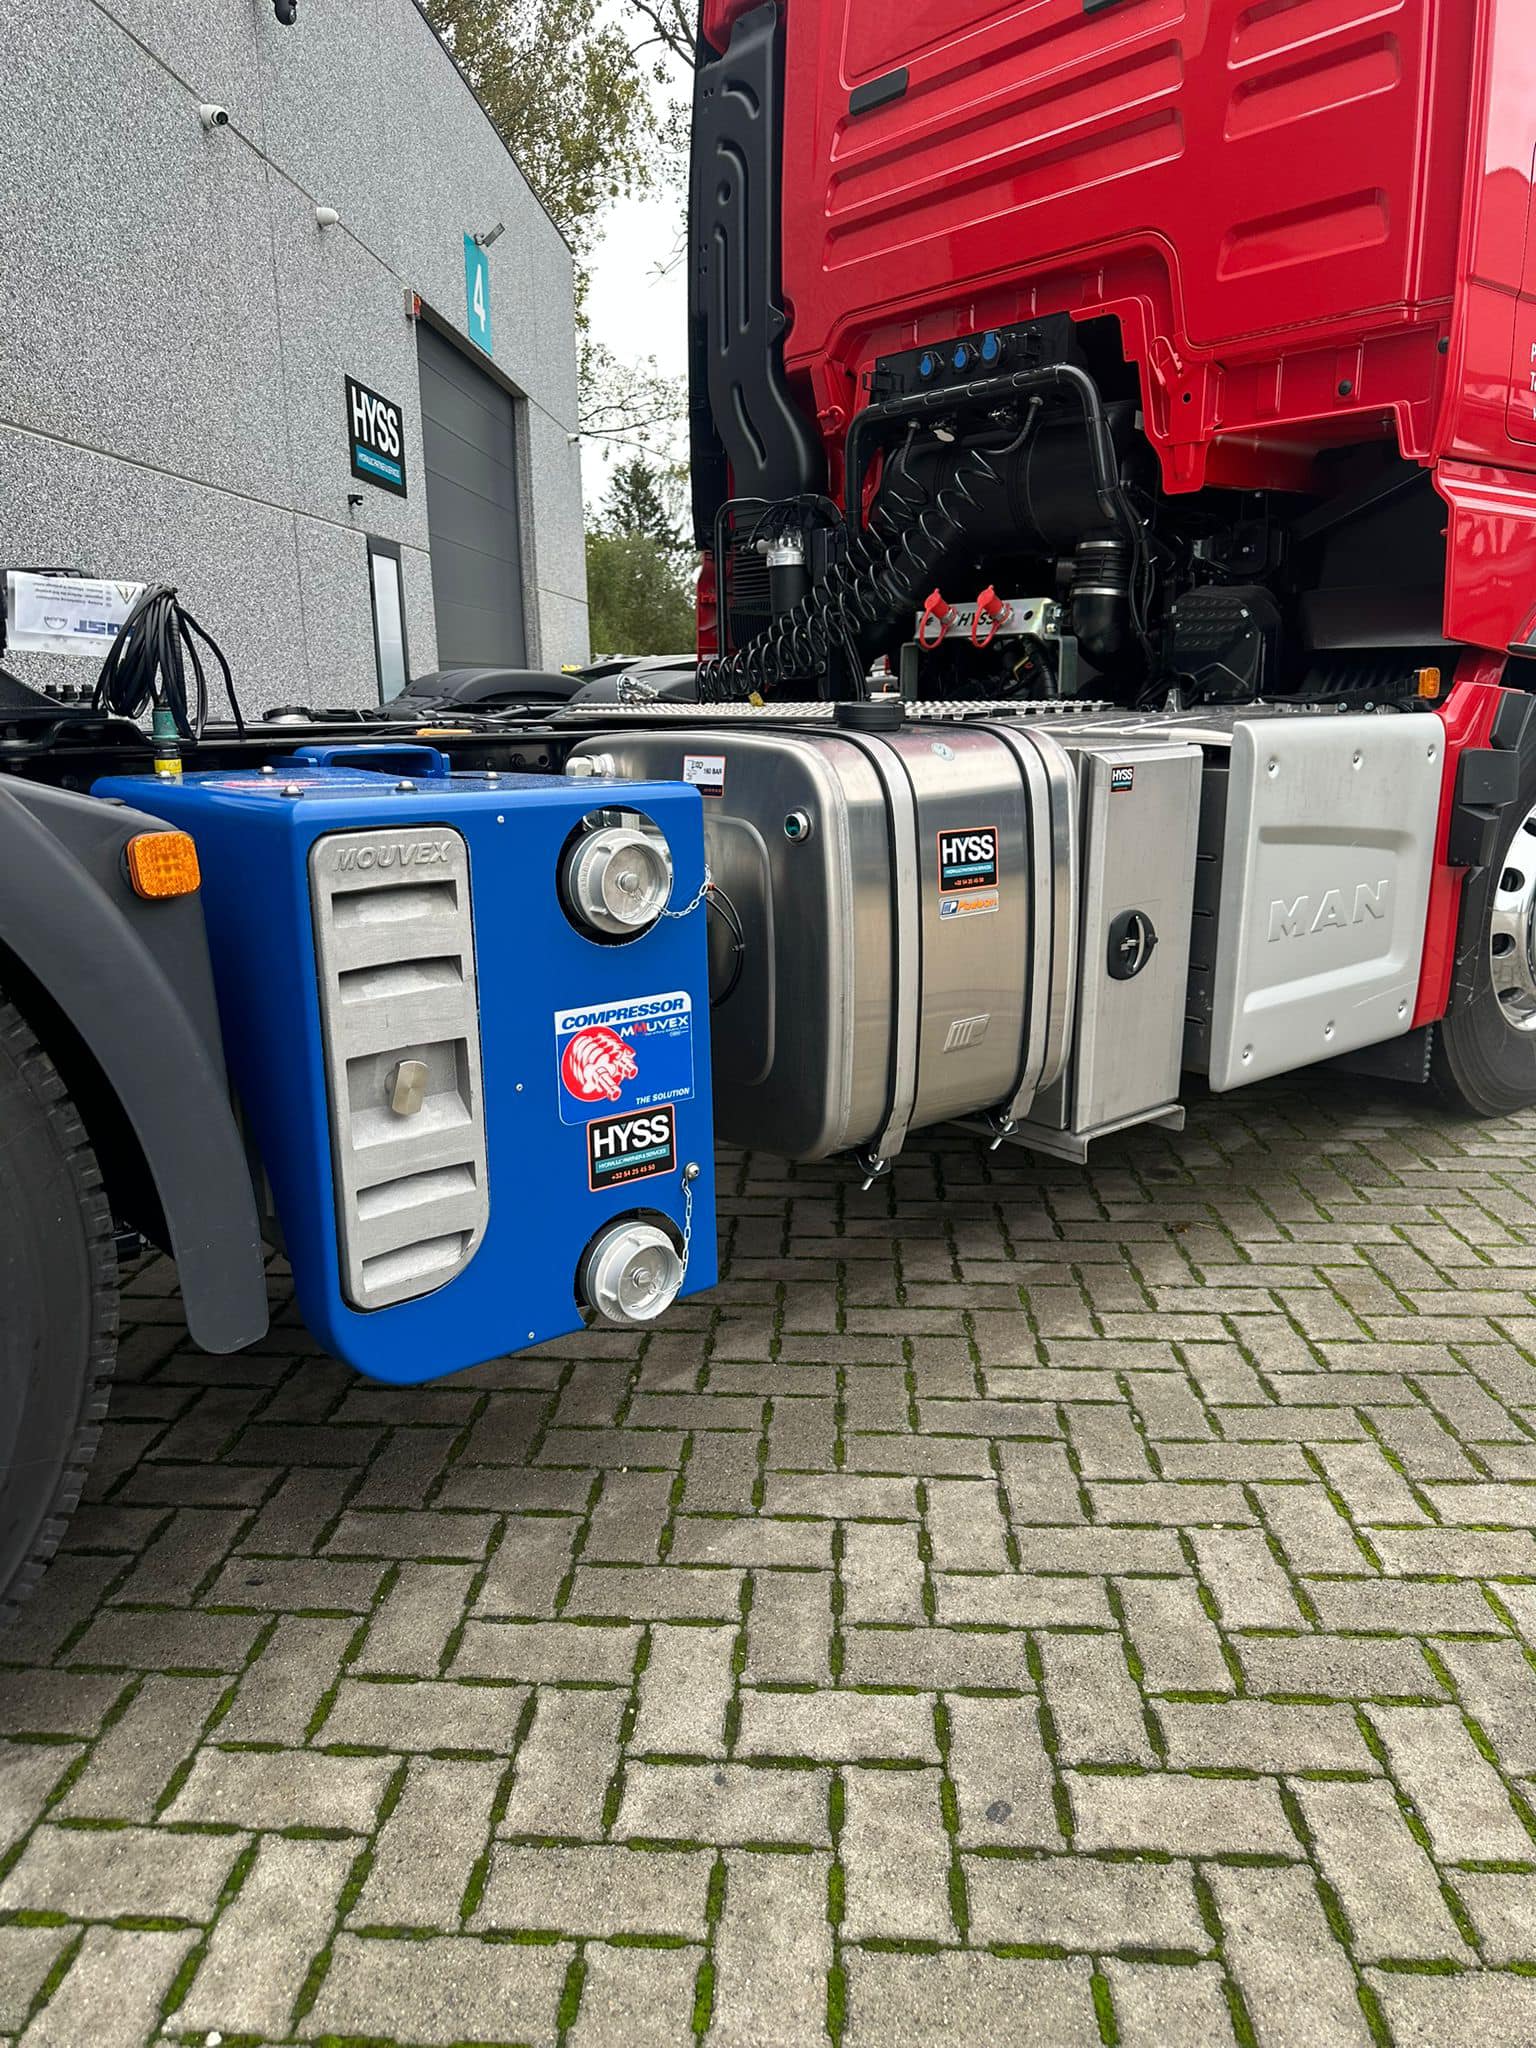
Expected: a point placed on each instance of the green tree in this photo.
(568, 93)
(671, 24)
(638, 506)
(638, 600)
(639, 569)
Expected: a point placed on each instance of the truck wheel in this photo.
(1485, 1050)
(58, 1308)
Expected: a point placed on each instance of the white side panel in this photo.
(1325, 888)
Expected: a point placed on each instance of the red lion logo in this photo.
(596, 1064)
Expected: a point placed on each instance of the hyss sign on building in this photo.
(376, 427)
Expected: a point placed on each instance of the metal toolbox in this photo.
(907, 903)
(1139, 827)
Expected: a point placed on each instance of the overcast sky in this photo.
(638, 301)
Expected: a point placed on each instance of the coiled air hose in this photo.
(889, 565)
(886, 571)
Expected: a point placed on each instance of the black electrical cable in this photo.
(777, 517)
(730, 917)
(147, 666)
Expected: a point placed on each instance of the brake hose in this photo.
(888, 566)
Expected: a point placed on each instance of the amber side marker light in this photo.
(1429, 680)
(163, 864)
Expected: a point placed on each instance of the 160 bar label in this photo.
(621, 1149)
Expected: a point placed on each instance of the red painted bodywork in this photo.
(1468, 720)
(707, 609)
(721, 16)
(1311, 218)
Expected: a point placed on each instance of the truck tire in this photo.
(58, 1308)
(1484, 1061)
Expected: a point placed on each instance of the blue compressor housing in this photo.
(439, 1172)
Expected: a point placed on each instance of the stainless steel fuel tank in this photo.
(908, 903)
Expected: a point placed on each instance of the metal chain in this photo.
(704, 888)
(691, 1173)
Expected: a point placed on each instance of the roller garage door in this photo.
(469, 453)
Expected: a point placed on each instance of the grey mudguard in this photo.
(1324, 889)
(133, 980)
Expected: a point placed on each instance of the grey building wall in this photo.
(174, 327)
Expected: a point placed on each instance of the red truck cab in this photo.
(1307, 221)
(1198, 334)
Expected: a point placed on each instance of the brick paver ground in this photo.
(1024, 1605)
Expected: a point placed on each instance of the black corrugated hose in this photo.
(888, 569)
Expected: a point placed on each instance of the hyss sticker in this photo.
(1121, 779)
(968, 872)
(621, 1149)
(622, 1058)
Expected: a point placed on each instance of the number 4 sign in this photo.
(477, 293)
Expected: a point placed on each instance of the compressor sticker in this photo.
(706, 772)
(624, 1057)
(621, 1149)
(968, 872)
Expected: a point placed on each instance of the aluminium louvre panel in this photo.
(394, 946)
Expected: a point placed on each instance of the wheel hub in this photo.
(1512, 929)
